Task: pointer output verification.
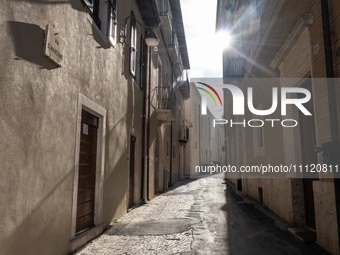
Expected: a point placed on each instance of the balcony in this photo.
(183, 136)
(178, 67)
(163, 99)
(165, 16)
(184, 86)
(173, 46)
(236, 67)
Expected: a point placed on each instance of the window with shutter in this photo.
(133, 45)
(143, 59)
(138, 51)
(113, 23)
(103, 16)
(93, 7)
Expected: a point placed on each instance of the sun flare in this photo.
(223, 40)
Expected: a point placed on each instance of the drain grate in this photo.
(152, 228)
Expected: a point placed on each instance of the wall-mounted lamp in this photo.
(151, 38)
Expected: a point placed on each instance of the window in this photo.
(95, 12)
(103, 16)
(160, 72)
(138, 57)
(142, 63)
(133, 45)
(138, 53)
(113, 23)
(195, 145)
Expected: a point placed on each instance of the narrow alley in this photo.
(204, 216)
(111, 112)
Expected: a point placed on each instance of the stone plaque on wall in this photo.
(54, 46)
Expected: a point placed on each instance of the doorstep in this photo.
(134, 207)
(85, 237)
(305, 234)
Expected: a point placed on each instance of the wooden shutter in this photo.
(93, 6)
(133, 45)
(113, 23)
(143, 63)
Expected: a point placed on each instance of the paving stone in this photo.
(171, 206)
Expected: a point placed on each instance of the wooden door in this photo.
(87, 172)
(308, 140)
(132, 171)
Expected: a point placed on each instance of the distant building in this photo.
(206, 143)
(192, 114)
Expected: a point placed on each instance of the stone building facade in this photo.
(88, 114)
(284, 40)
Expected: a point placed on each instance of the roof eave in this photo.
(149, 12)
(178, 21)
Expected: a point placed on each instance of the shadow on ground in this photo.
(250, 231)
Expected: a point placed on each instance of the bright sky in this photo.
(199, 17)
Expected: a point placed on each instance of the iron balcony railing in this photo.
(164, 98)
(236, 67)
(165, 9)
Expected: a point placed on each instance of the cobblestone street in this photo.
(172, 205)
(197, 217)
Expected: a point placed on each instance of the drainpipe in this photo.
(199, 134)
(143, 143)
(143, 136)
(333, 146)
(170, 174)
(148, 133)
